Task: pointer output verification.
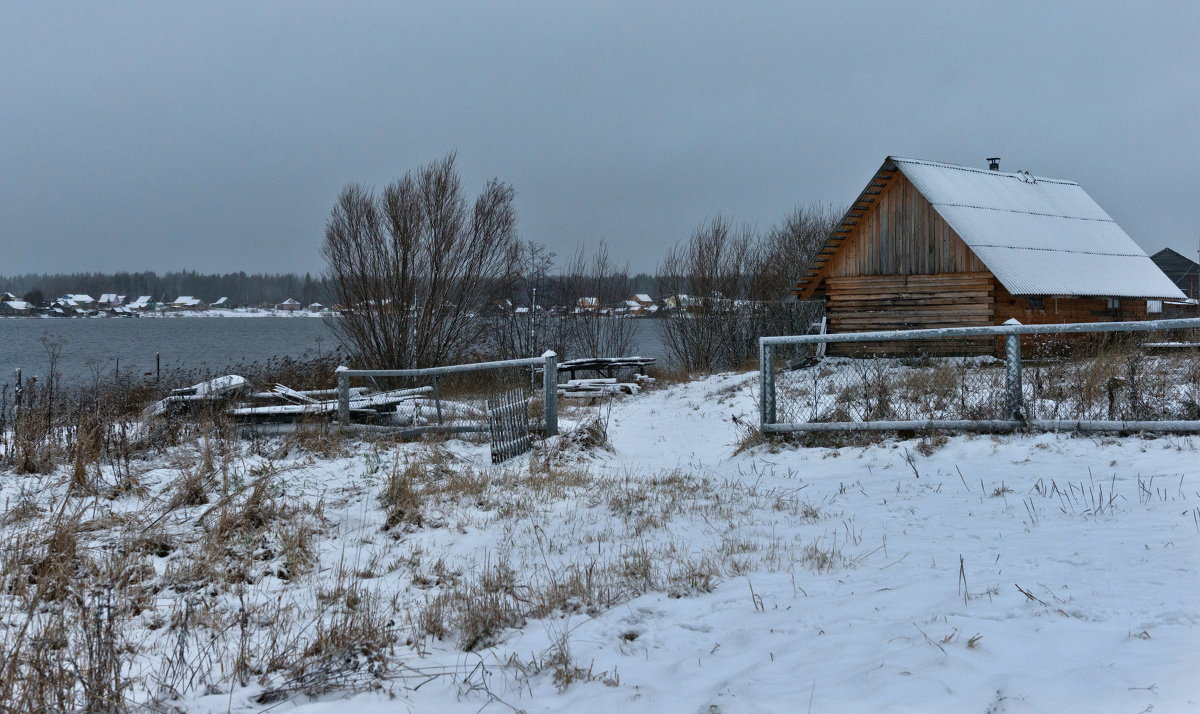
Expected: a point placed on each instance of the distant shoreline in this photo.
(239, 313)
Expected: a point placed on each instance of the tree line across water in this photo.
(413, 267)
(252, 289)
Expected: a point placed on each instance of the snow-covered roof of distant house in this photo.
(186, 300)
(316, 306)
(7, 297)
(632, 303)
(142, 301)
(79, 298)
(1038, 236)
(219, 302)
(642, 297)
(18, 304)
(110, 299)
(290, 301)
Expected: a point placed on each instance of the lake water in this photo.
(209, 344)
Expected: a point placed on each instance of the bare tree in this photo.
(703, 282)
(415, 267)
(597, 330)
(727, 286)
(526, 326)
(783, 255)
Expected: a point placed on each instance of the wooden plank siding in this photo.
(902, 234)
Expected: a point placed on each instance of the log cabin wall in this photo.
(903, 302)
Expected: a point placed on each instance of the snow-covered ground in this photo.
(673, 572)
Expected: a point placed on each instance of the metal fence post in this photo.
(343, 399)
(1012, 373)
(766, 371)
(437, 399)
(550, 392)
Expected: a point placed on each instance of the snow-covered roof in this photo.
(109, 299)
(186, 300)
(79, 297)
(1038, 236)
(18, 304)
(142, 301)
(220, 302)
(290, 301)
(642, 297)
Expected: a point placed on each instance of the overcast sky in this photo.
(215, 136)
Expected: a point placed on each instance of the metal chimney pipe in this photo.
(994, 163)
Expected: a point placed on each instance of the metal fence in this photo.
(463, 407)
(1106, 376)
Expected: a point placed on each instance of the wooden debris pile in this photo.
(602, 386)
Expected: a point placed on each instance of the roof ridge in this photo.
(989, 172)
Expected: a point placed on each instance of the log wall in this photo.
(908, 302)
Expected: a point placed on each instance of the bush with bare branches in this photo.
(413, 268)
(727, 286)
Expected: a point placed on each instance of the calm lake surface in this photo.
(210, 344)
(205, 343)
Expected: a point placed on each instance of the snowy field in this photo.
(667, 571)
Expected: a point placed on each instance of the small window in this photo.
(1154, 306)
(1114, 303)
(1037, 303)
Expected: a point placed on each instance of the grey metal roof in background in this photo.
(1038, 236)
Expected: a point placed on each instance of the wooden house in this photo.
(929, 244)
(1182, 271)
(187, 302)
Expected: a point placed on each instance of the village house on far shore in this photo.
(186, 302)
(929, 244)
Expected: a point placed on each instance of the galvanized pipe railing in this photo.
(549, 361)
(1011, 331)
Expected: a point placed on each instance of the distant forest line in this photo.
(241, 288)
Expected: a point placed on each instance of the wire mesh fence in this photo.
(1099, 376)
(454, 398)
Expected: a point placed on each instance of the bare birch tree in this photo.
(414, 268)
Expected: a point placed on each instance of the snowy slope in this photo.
(672, 573)
(1110, 622)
